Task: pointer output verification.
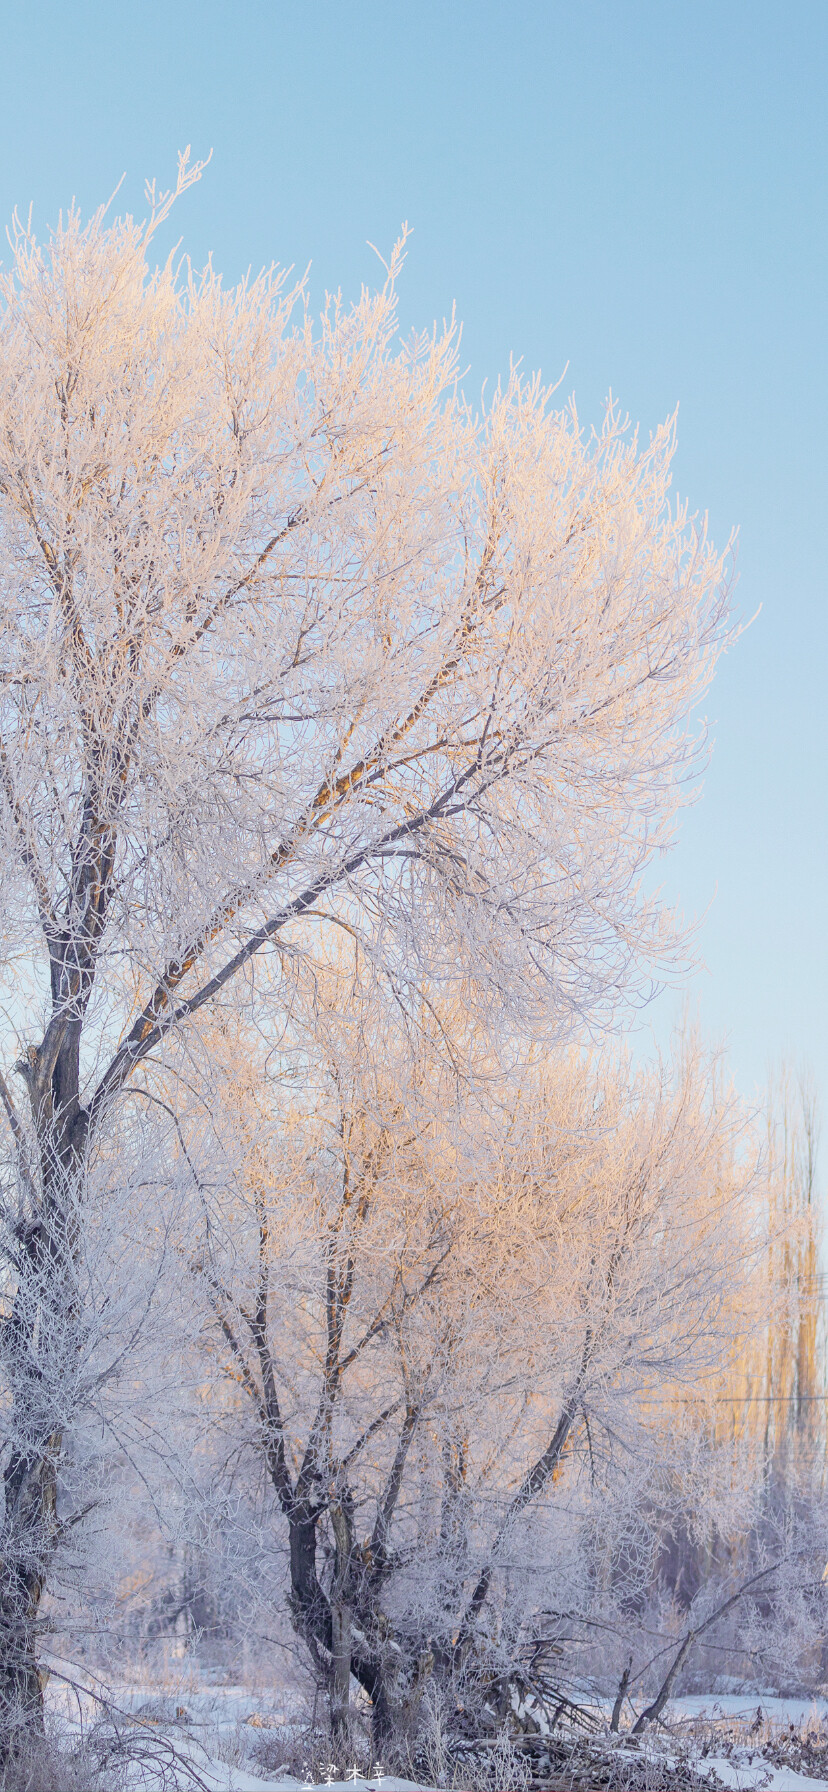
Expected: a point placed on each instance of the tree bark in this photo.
(39, 1343)
(340, 1669)
(623, 1687)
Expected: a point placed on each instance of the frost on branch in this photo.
(289, 637)
(438, 1318)
(285, 628)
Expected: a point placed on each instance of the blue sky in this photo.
(628, 193)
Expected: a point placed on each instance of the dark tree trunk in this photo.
(29, 1485)
(340, 1669)
(310, 1607)
(326, 1627)
(40, 1348)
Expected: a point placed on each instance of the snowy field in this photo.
(195, 1736)
(744, 1712)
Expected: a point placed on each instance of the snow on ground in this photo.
(206, 1729)
(209, 1775)
(742, 1708)
(738, 1771)
(196, 1722)
(744, 1776)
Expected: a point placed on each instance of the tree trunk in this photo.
(40, 1343)
(311, 1611)
(340, 1670)
(623, 1687)
(28, 1540)
(29, 1485)
(327, 1628)
(341, 1514)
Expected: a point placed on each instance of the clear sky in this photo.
(628, 193)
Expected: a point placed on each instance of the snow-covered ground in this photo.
(745, 1777)
(764, 1712)
(202, 1737)
(198, 1727)
(742, 1708)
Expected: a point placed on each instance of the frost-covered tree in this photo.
(288, 632)
(435, 1308)
(416, 1289)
